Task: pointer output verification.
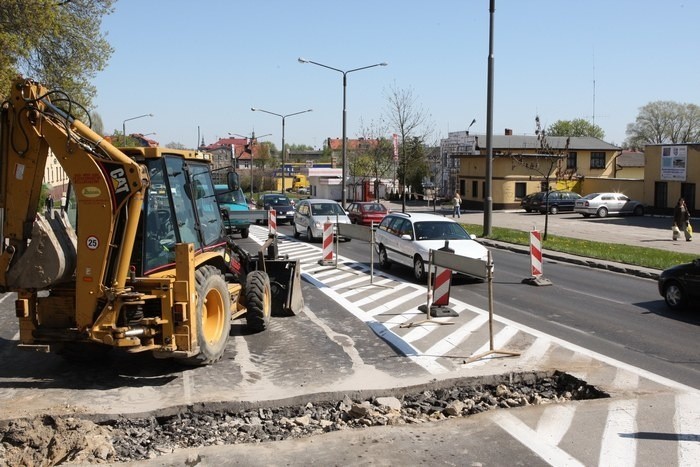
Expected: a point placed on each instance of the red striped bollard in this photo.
(441, 290)
(536, 261)
(327, 244)
(272, 221)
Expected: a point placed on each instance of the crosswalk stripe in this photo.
(616, 450)
(686, 422)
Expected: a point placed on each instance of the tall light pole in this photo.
(345, 86)
(488, 200)
(124, 125)
(283, 119)
(252, 139)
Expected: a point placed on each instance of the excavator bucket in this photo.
(285, 285)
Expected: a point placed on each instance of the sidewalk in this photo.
(645, 231)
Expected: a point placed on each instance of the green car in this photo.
(233, 201)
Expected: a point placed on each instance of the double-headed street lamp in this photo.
(345, 85)
(252, 139)
(283, 118)
(124, 125)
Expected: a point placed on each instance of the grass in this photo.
(633, 255)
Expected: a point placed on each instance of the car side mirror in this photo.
(406, 237)
(472, 236)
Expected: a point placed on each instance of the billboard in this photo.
(674, 160)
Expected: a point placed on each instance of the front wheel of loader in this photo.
(258, 300)
(213, 316)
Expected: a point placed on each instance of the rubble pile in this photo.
(147, 438)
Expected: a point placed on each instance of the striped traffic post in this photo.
(536, 277)
(327, 240)
(441, 291)
(536, 253)
(272, 221)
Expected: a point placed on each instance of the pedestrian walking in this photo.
(681, 221)
(49, 204)
(456, 204)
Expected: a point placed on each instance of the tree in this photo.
(575, 127)
(55, 42)
(662, 122)
(377, 157)
(544, 163)
(410, 122)
(175, 145)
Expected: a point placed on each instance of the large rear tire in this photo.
(213, 316)
(258, 301)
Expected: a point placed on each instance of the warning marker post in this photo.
(536, 261)
(327, 258)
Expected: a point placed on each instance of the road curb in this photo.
(638, 271)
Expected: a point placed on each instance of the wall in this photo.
(653, 174)
(632, 188)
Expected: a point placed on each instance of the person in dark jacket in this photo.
(681, 219)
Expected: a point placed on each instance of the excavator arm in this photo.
(108, 186)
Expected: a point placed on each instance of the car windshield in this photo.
(373, 208)
(437, 230)
(326, 209)
(277, 200)
(591, 196)
(230, 197)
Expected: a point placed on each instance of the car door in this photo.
(404, 242)
(626, 205)
(301, 217)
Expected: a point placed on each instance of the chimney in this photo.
(509, 132)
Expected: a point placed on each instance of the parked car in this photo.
(680, 285)
(283, 206)
(366, 212)
(602, 204)
(311, 214)
(556, 201)
(408, 238)
(525, 202)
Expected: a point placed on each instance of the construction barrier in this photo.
(536, 261)
(536, 253)
(272, 222)
(443, 281)
(327, 257)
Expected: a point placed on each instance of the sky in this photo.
(200, 65)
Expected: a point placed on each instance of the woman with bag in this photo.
(681, 221)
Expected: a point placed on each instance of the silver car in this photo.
(311, 214)
(602, 204)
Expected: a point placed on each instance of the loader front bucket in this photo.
(285, 285)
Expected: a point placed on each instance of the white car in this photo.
(311, 214)
(408, 238)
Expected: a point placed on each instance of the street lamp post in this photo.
(283, 119)
(124, 125)
(252, 139)
(345, 85)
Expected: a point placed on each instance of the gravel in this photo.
(50, 440)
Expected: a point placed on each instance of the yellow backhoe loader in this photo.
(139, 259)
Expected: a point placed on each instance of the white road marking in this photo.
(618, 450)
(687, 425)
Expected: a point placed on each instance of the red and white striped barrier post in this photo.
(441, 290)
(272, 221)
(536, 261)
(536, 253)
(327, 243)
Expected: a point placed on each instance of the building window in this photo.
(475, 189)
(597, 160)
(520, 189)
(571, 160)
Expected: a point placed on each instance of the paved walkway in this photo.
(645, 231)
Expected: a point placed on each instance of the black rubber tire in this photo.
(554, 209)
(602, 212)
(244, 233)
(296, 232)
(419, 268)
(309, 235)
(384, 261)
(674, 296)
(586, 215)
(213, 316)
(258, 301)
(639, 211)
